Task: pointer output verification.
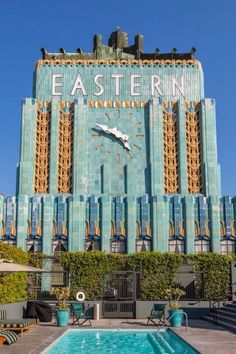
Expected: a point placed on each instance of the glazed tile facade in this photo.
(153, 183)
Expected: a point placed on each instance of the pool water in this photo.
(119, 342)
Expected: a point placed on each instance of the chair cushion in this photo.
(156, 315)
(17, 323)
(10, 336)
(3, 314)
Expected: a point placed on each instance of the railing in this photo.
(215, 308)
(168, 320)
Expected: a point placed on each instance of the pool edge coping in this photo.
(154, 330)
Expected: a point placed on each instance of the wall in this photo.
(14, 310)
(198, 310)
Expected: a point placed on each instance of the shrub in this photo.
(213, 275)
(87, 270)
(158, 272)
(13, 286)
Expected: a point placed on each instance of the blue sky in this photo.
(28, 25)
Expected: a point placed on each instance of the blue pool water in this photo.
(119, 342)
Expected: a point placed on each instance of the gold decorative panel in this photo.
(170, 145)
(42, 148)
(117, 104)
(65, 147)
(193, 145)
(118, 62)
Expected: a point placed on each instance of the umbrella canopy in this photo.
(10, 267)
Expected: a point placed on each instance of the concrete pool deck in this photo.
(204, 336)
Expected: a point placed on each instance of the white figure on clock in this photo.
(115, 132)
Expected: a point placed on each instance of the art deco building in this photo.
(118, 153)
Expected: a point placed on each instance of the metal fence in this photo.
(192, 283)
(38, 282)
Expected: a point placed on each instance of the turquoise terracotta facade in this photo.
(118, 201)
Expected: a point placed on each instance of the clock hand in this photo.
(113, 131)
(126, 145)
(104, 128)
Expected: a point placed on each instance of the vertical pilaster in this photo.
(182, 151)
(80, 179)
(77, 207)
(189, 223)
(214, 203)
(154, 223)
(22, 220)
(106, 183)
(27, 147)
(156, 146)
(234, 212)
(106, 222)
(47, 224)
(131, 180)
(211, 169)
(48, 203)
(46, 280)
(131, 223)
(53, 168)
(162, 222)
(1, 211)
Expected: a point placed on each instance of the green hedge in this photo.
(213, 274)
(87, 270)
(158, 270)
(13, 286)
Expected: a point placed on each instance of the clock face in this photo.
(117, 140)
(118, 145)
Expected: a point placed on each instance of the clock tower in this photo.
(118, 153)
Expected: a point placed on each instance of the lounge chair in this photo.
(16, 324)
(79, 313)
(157, 315)
(8, 337)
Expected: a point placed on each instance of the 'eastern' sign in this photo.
(135, 85)
(124, 83)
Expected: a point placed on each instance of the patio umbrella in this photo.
(11, 267)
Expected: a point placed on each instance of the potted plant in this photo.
(62, 308)
(175, 311)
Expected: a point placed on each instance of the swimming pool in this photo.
(96, 341)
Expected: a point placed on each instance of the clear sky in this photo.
(28, 25)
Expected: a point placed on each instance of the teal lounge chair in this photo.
(79, 313)
(157, 315)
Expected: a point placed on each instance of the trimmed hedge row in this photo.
(87, 271)
(13, 286)
(213, 275)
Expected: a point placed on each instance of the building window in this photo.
(227, 246)
(143, 245)
(92, 245)
(176, 246)
(201, 245)
(8, 241)
(118, 246)
(34, 246)
(59, 246)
